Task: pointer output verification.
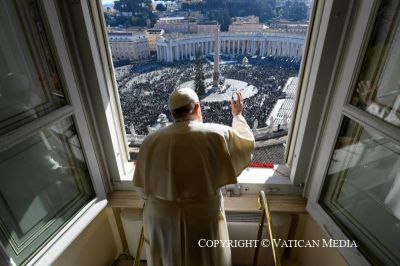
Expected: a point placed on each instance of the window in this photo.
(55, 125)
(46, 176)
(260, 52)
(355, 181)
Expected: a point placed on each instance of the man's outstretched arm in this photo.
(241, 144)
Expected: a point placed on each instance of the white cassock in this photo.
(180, 169)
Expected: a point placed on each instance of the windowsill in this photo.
(52, 250)
(253, 179)
(258, 175)
(284, 196)
(244, 203)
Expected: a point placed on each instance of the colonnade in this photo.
(184, 47)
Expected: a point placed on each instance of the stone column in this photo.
(286, 49)
(170, 54)
(291, 49)
(216, 73)
(299, 50)
(250, 47)
(263, 48)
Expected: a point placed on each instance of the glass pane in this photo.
(361, 192)
(378, 86)
(44, 181)
(29, 84)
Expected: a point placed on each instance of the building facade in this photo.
(152, 35)
(208, 27)
(246, 24)
(176, 24)
(288, 28)
(185, 25)
(177, 47)
(128, 46)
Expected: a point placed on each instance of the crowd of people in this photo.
(144, 90)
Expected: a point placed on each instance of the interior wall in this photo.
(307, 229)
(97, 245)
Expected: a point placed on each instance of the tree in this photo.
(222, 16)
(161, 7)
(138, 21)
(299, 11)
(134, 6)
(295, 11)
(199, 86)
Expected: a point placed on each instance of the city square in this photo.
(144, 89)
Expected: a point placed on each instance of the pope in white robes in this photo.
(179, 171)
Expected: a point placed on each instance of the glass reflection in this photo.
(29, 83)
(44, 181)
(361, 191)
(378, 87)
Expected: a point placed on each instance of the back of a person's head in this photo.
(181, 102)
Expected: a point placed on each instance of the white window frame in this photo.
(363, 19)
(74, 109)
(98, 88)
(319, 71)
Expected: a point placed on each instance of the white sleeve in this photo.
(241, 144)
(240, 125)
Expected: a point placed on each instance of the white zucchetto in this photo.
(181, 97)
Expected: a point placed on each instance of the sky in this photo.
(106, 2)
